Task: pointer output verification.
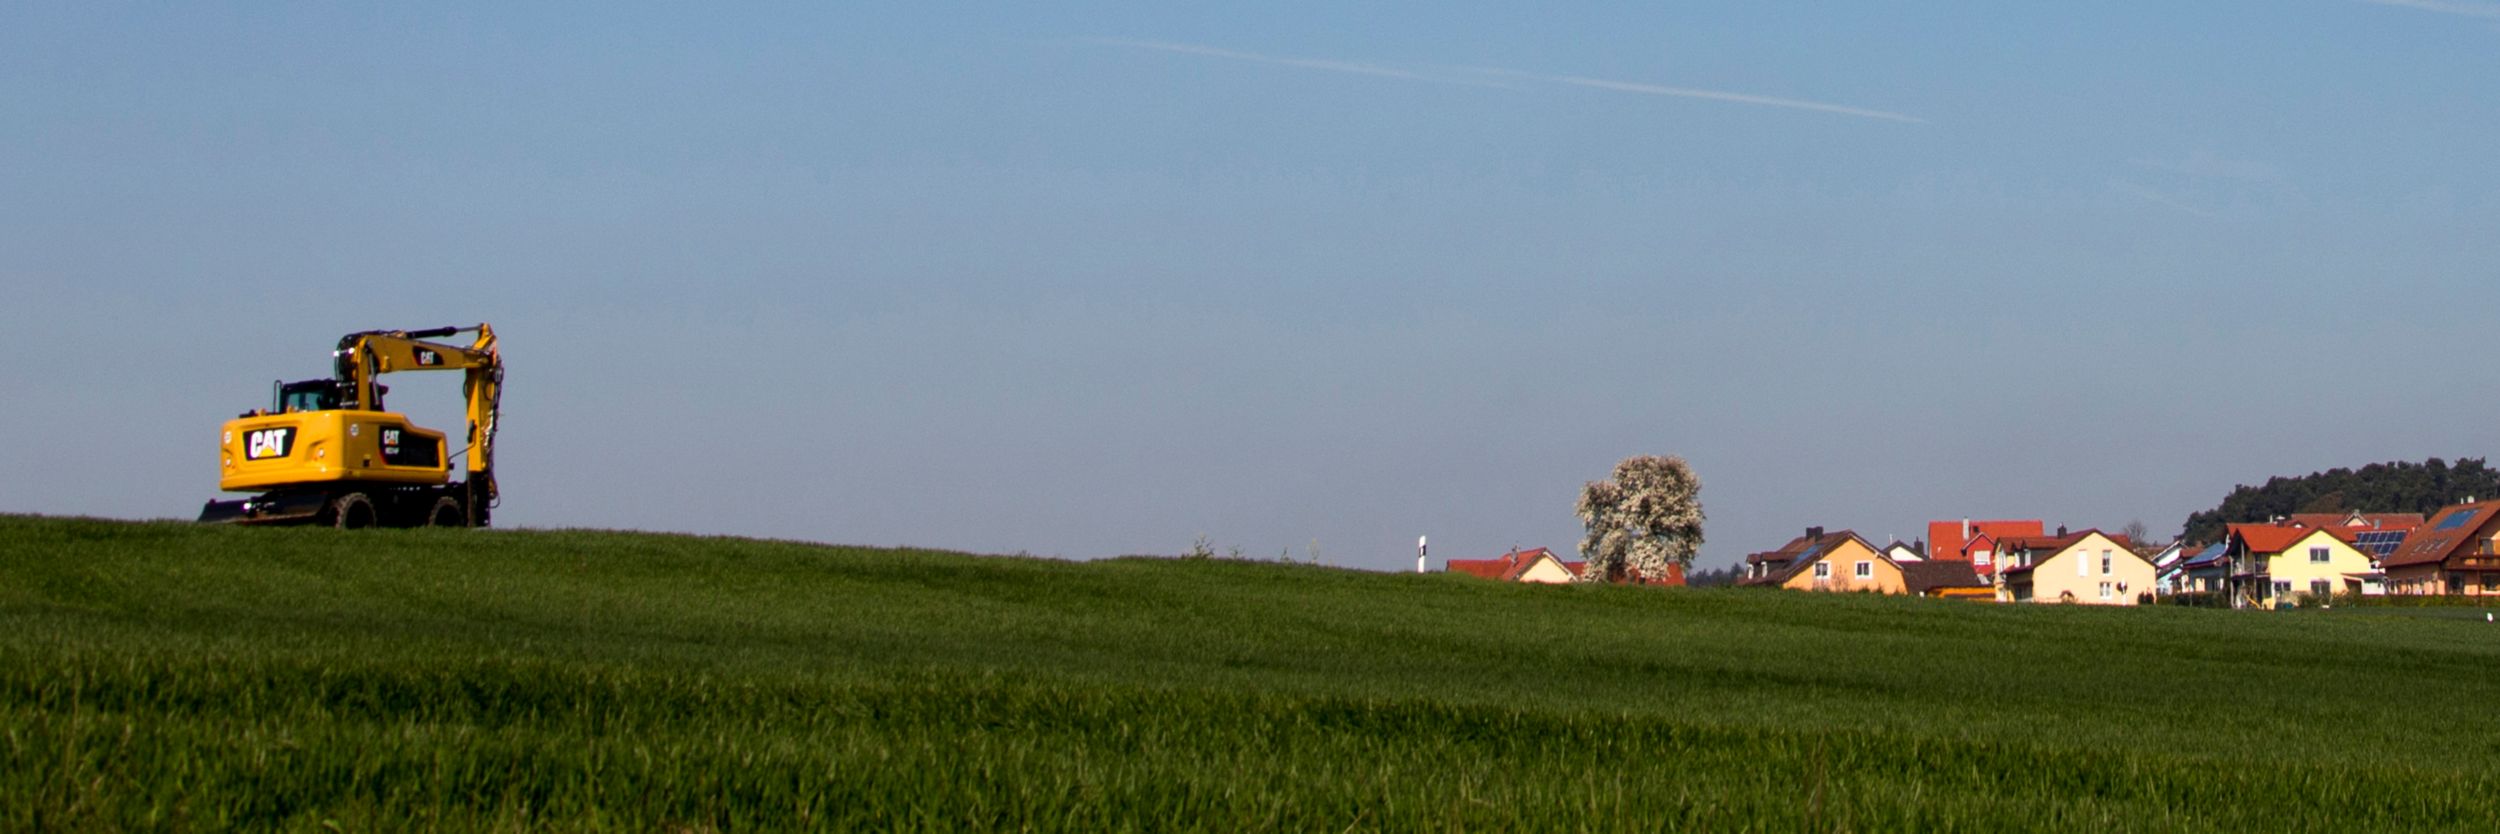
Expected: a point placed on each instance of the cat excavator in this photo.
(327, 451)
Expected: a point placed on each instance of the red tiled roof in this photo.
(2369, 521)
(1945, 540)
(2269, 538)
(1508, 568)
(2430, 544)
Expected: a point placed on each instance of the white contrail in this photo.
(1401, 73)
(1740, 98)
(2485, 11)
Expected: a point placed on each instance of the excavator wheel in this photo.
(352, 511)
(446, 513)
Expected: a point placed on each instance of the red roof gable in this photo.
(2450, 531)
(2369, 521)
(1510, 566)
(2271, 538)
(1945, 539)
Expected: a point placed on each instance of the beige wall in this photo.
(1844, 560)
(1546, 571)
(2293, 565)
(2058, 575)
(2433, 579)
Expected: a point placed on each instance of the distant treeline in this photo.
(2394, 487)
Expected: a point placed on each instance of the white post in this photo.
(1423, 544)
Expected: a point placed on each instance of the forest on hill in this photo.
(2392, 487)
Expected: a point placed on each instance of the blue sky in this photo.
(1103, 278)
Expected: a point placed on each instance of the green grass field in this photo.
(171, 676)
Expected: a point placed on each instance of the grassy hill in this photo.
(182, 677)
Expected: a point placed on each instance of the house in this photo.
(2200, 572)
(1538, 566)
(2451, 554)
(1541, 566)
(2091, 568)
(1904, 553)
(1818, 561)
(2376, 535)
(1948, 580)
(1976, 542)
(2166, 559)
(2277, 564)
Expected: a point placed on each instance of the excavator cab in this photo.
(320, 395)
(308, 395)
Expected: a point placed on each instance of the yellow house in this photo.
(1825, 562)
(2272, 564)
(2088, 568)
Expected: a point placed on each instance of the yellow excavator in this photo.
(327, 452)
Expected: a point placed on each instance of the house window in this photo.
(1982, 557)
(1822, 570)
(2104, 563)
(1866, 570)
(2456, 583)
(2104, 590)
(2491, 583)
(2320, 587)
(2282, 587)
(2317, 556)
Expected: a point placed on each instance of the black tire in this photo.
(353, 511)
(446, 513)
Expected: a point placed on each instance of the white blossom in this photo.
(1645, 518)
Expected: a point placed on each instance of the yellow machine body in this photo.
(310, 447)
(327, 451)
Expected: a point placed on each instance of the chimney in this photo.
(1966, 528)
(2061, 531)
(1814, 532)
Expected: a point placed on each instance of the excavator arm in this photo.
(363, 356)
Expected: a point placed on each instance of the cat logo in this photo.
(390, 441)
(264, 444)
(428, 359)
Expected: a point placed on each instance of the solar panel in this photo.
(2456, 520)
(2379, 542)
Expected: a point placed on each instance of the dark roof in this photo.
(1802, 551)
(2446, 533)
(1922, 577)
(2054, 545)
(2211, 555)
